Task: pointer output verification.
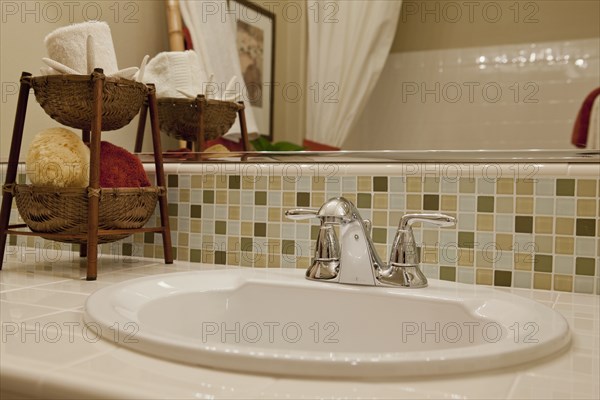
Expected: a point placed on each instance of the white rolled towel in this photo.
(68, 45)
(174, 72)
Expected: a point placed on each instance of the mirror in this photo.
(495, 75)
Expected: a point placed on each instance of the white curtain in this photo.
(213, 32)
(348, 44)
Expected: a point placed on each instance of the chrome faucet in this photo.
(353, 259)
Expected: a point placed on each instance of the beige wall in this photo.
(138, 28)
(438, 24)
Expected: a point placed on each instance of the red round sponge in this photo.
(119, 168)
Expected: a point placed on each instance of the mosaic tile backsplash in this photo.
(518, 225)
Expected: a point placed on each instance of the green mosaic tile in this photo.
(174, 252)
(431, 202)
(380, 184)
(466, 240)
(448, 273)
(314, 232)
(565, 187)
(585, 227)
(288, 247)
(246, 244)
(220, 257)
(196, 211)
(260, 229)
(208, 196)
(172, 180)
(260, 198)
(523, 224)
(220, 227)
(584, 266)
(379, 235)
(542, 263)
(303, 199)
(195, 255)
(485, 204)
(173, 209)
(502, 278)
(234, 181)
(363, 200)
(12, 240)
(149, 237)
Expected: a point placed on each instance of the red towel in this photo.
(582, 123)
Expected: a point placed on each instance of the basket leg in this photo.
(139, 138)
(243, 128)
(13, 159)
(94, 187)
(200, 101)
(160, 176)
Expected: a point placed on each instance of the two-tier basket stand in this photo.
(103, 214)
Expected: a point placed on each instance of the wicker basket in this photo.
(65, 210)
(69, 100)
(179, 118)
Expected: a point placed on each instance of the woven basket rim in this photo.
(179, 100)
(85, 78)
(126, 191)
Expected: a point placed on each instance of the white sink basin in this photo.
(277, 322)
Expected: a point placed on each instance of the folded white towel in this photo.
(68, 46)
(174, 72)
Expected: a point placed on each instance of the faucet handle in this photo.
(436, 219)
(302, 213)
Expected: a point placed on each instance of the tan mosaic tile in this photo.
(524, 205)
(318, 183)
(275, 214)
(431, 184)
(564, 226)
(504, 241)
(289, 199)
(183, 239)
(413, 185)
(524, 187)
(289, 184)
(429, 255)
(380, 218)
(413, 202)
(484, 258)
(586, 188)
(465, 257)
(542, 281)
(184, 195)
(505, 186)
(275, 183)
(195, 226)
(248, 183)
(564, 245)
(523, 261)
(380, 201)
(247, 228)
(197, 181)
(221, 182)
(221, 197)
(586, 207)
(543, 244)
(504, 205)
(233, 213)
(261, 182)
(448, 202)
(317, 198)
(485, 222)
(484, 276)
(364, 183)
(394, 218)
(234, 197)
(466, 185)
(543, 224)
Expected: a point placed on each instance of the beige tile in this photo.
(221, 197)
(563, 283)
(289, 183)
(586, 187)
(289, 199)
(233, 213)
(350, 197)
(413, 202)
(380, 201)
(524, 205)
(233, 258)
(466, 185)
(184, 195)
(364, 183)
(429, 254)
(542, 281)
(394, 218)
(248, 182)
(221, 181)
(484, 259)
(183, 239)
(523, 261)
(504, 205)
(586, 207)
(564, 226)
(195, 226)
(197, 181)
(448, 202)
(275, 214)
(234, 197)
(543, 244)
(505, 186)
(485, 222)
(524, 187)
(233, 244)
(209, 181)
(247, 229)
(261, 182)
(317, 198)
(484, 276)
(564, 245)
(275, 183)
(543, 224)
(380, 218)
(504, 241)
(465, 257)
(413, 185)
(318, 183)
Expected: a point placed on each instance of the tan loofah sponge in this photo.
(58, 157)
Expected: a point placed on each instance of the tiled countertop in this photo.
(46, 352)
